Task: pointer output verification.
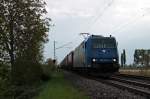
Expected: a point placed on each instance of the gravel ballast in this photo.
(98, 90)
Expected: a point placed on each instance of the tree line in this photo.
(142, 57)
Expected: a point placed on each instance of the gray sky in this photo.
(127, 20)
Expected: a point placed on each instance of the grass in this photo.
(60, 88)
(139, 72)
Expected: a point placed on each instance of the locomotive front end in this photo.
(104, 54)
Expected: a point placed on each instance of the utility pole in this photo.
(54, 60)
(54, 50)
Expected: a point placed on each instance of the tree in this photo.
(23, 31)
(50, 62)
(142, 57)
(136, 57)
(124, 57)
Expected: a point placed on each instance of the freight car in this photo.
(96, 54)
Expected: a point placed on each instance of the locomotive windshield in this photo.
(104, 43)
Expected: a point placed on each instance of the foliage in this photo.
(27, 73)
(23, 30)
(48, 68)
(46, 72)
(52, 63)
(123, 58)
(4, 72)
(4, 80)
(142, 57)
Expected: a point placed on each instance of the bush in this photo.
(47, 70)
(26, 72)
(4, 71)
(4, 80)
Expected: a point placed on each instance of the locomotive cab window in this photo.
(97, 43)
(109, 43)
(103, 43)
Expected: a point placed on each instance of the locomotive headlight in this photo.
(94, 60)
(114, 60)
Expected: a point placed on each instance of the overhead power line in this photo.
(100, 14)
(64, 45)
(122, 26)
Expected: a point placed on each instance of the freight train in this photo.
(96, 54)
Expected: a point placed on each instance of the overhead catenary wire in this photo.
(122, 26)
(94, 21)
(119, 27)
(69, 42)
(99, 15)
(64, 45)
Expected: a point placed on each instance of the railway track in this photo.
(136, 82)
(138, 86)
(135, 86)
(147, 79)
(132, 88)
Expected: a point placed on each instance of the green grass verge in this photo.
(60, 88)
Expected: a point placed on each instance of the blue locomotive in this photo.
(95, 54)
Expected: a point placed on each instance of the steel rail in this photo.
(129, 88)
(138, 83)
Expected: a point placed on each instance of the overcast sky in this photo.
(127, 20)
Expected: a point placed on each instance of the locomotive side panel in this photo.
(70, 60)
(78, 58)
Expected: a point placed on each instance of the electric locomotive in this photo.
(96, 54)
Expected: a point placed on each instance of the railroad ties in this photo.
(135, 85)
